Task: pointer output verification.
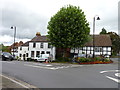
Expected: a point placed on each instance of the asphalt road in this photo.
(63, 75)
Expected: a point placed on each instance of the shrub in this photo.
(98, 58)
(84, 60)
(106, 59)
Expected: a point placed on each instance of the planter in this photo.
(96, 62)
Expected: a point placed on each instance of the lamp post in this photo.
(14, 27)
(97, 18)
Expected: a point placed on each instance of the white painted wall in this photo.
(22, 52)
(38, 48)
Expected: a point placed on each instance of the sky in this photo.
(31, 16)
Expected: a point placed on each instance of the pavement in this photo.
(6, 83)
(10, 83)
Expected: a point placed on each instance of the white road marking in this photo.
(42, 64)
(117, 74)
(109, 71)
(10, 62)
(52, 68)
(114, 79)
(40, 67)
(14, 81)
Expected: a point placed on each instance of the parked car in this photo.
(7, 56)
(43, 57)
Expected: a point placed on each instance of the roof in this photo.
(100, 40)
(39, 39)
(16, 44)
(25, 44)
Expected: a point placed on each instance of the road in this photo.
(44, 75)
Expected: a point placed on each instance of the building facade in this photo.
(37, 46)
(40, 45)
(102, 46)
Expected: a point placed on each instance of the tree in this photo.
(115, 42)
(4, 48)
(103, 31)
(68, 28)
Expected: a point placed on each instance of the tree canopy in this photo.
(115, 42)
(68, 28)
(103, 31)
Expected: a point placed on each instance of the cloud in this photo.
(27, 23)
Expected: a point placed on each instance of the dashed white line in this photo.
(10, 62)
(40, 67)
(42, 64)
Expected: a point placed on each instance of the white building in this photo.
(102, 46)
(38, 45)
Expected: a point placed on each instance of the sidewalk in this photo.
(6, 83)
(9, 83)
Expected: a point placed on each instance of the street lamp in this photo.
(97, 18)
(14, 27)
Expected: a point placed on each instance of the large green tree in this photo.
(68, 28)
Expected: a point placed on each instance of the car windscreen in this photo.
(6, 53)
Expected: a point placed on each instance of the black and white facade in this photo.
(102, 46)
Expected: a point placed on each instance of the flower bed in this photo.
(96, 62)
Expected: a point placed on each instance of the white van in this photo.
(42, 57)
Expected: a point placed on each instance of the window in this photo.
(20, 55)
(34, 45)
(37, 53)
(48, 52)
(41, 46)
(20, 48)
(26, 54)
(49, 46)
(98, 49)
(32, 53)
(43, 52)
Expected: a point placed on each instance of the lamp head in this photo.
(98, 18)
(12, 27)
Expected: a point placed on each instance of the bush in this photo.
(97, 58)
(84, 60)
(106, 59)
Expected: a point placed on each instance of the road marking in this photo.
(109, 71)
(114, 79)
(52, 68)
(10, 62)
(14, 81)
(42, 64)
(117, 74)
(40, 67)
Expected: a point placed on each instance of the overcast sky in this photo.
(31, 16)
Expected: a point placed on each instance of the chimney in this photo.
(38, 34)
